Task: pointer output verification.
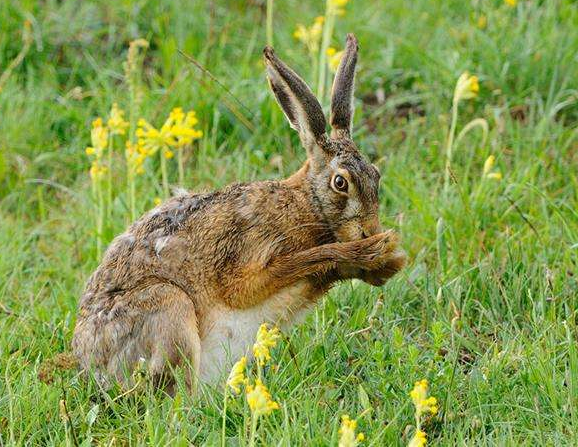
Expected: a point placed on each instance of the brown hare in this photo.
(189, 283)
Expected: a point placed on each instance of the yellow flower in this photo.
(334, 58)
(99, 140)
(97, 170)
(418, 440)
(98, 137)
(183, 126)
(168, 154)
(482, 22)
(259, 399)
(177, 131)
(157, 201)
(116, 123)
(423, 403)
(153, 139)
(311, 36)
(511, 3)
(489, 164)
(337, 6)
(347, 437)
(467, 87)
(237, 375)
(266, 339)
(300, 33)
(136, 155)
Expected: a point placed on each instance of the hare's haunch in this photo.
(189, 283)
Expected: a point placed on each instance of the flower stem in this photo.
(327, 33)
(269, 24)
(164, 172)
(315, 65)
(223, 437)
(132, 196)
(450, 144)
(109, 178)
(253, 430)
(181, 165)
(100, 219)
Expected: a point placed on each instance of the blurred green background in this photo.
(486, 309)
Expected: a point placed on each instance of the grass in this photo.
(486, 310)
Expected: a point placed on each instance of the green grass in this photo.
(487, 307)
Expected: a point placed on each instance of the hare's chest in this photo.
(230, 333)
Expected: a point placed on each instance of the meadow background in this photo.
(486, 308)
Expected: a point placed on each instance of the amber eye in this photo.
(339, 183)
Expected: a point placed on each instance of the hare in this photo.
(190, 282)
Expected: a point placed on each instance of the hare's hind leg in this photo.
(171, 333)
(156, 324)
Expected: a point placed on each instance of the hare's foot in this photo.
(156, 325)
(386, 258)
(374, 259)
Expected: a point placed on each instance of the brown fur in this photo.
(164, 285)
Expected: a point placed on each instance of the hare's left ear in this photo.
(342, 91)
(298, 103)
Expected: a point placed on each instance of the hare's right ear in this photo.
(297, 102)
(342, 90)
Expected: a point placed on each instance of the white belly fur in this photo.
(230, 333)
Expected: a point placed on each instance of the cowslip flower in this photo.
(311, 36)
(266, 339)
(467, 87)
(237, 375)
(116, 122)
(153, 139)
(488, 166)
(135, 155)
(259, 399)
(482, 22)
(423, 404)
(177, 131)
(338, 6)
(347, 436)
(183, 127)
(418, 440)
(333, 58)
(511, 3)
(98, 138)
(97, 170)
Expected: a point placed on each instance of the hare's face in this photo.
(346, 190)
(344, 185)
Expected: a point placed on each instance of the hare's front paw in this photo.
(384, 258)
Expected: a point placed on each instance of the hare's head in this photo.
(344, 185)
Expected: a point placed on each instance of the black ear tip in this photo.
(268, 52)
(352, 40)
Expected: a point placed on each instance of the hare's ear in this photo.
(297, 102)
(342, 90)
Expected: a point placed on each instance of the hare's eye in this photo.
(339, 183)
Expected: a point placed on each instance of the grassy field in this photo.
(486, 309)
